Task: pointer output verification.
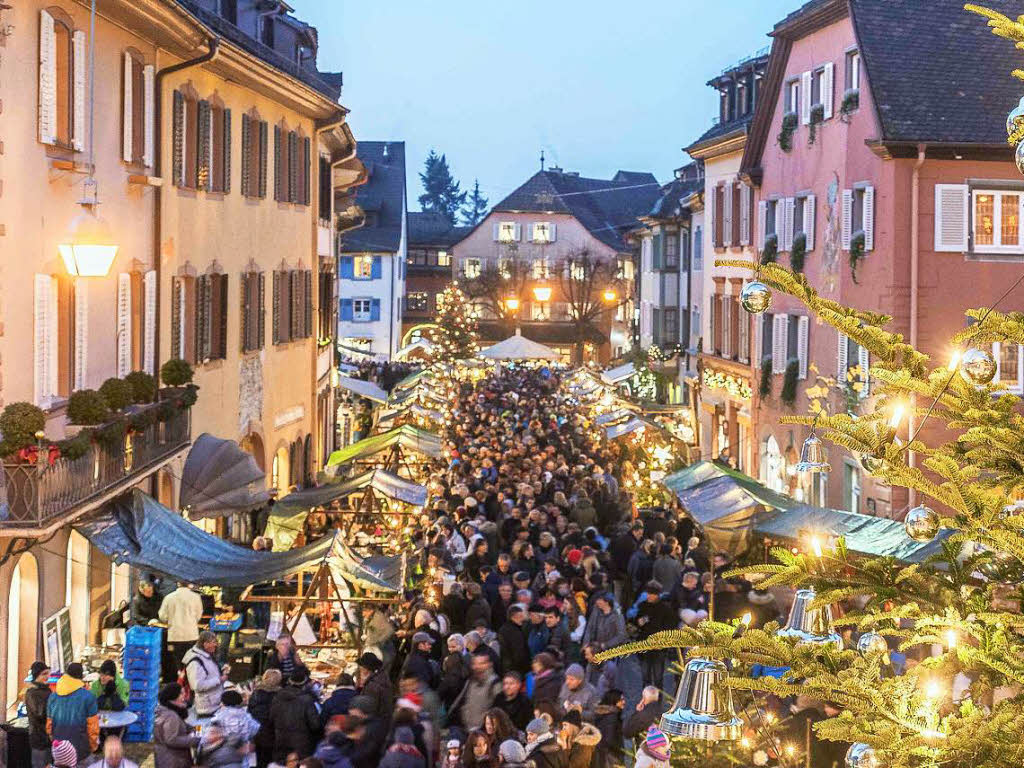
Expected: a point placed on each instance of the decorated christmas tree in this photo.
(456, 337)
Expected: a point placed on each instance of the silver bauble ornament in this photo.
(922, 523)
(1019, 156)
(1015, 120)
(977, 366)
(756, 297)
(872, 642)
(861, 755)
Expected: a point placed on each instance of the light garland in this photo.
(734, 385)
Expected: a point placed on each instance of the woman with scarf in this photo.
(172, 737)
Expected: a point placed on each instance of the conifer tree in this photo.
(441, 193)
(476, 206)
(456, 337)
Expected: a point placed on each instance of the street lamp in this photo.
(511, 303)
(542, 293)
(610, 295)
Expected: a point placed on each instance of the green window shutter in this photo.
(175, 317)
(657, 251)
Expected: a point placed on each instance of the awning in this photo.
(219, 478)
(519, 347)
(366, 389)
(418, 440)
(863, 534)
(391, 485)
(618, 374)
(411, 408)
(423, 346)
(134, 528)
(410, 381)
(616, 431)
(614, 417)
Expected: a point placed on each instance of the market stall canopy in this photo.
(724, 502)
(220, 478)
(614, 417)
(410, 381)
(136, 529)
(391, 485)
(417, 440)
(414, 409)
(422, 347)
(618, 374)
(615, 431)
(366, 389)
(518, 347)
(863, 534)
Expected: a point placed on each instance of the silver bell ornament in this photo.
(861, 755)
(1015, 120)
(871, 643)
(756, 297)
(810, 625)
(813, 457)
(977, 366)
(922, 523)
(700, 711)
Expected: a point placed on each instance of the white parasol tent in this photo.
(519, 347)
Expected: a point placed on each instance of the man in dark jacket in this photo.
(376, 686)
(294, 718)
(367, 733)
(513, 701)
(515, 652)
(655, 615)
(499, 608)
(418, 662)
(478, 607)
(35, 705)
(146, 604)
(648, 712)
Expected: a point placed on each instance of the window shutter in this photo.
(178, 140)
(293, 167)
(278, 181)
(78, 115)
(847, 218)
(306, 151)
(375, 310)
(657, 248)
(726, 318)
(805, 98)
(841, 360)
(42, 359)
(307, 305)
(517, 231)
(758, 339)
(293, 305)
(865, 371)
(262, 191)
(82, 332)
(376, 268)
(951, 217)
(496, 231)
(869, 219)
(810, 203)
(203, 300)
(47, 86)
(551, 232)
(149, 322)
(712, 216)
(275, 308)
(261, 314)
(126, 125)
(176, 296)
(346, 270)
(727, 213)
(246, 157)
(148, 89)
(204, 147)
(346, 309)
(742, 332)
(762, 222)
(245, 285)
(787, 224)
(222, 319)
(227, 150)
(827, 97)
(124, 324)
(744, 216)
(802, 326)
(780, 342)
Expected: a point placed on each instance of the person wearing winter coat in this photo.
(547, 681)
(374, 683)
(666, 569)
(454, 670)
(542, 746)
(181, 611)
(403, 754)
(35, 705)
(478, 607)
(515, 651)
(218, 750)
(284, 656)
(110, 689)
(172, 738)
(655, 752)
(367, 734)
(648, 712)
(608, 720)
(259, 707)
(558, 637)
(72, 713)
(512, 754)
(331, 752)
(418, 663)
(338, 703)
(205, 677)
(513, 702)
(294, 719)
(579, 740)
(654, 615)
(145, 604)
(479, 693)
(605, 629)
(233, 720)
(576, 693)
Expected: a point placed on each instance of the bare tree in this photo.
(590, 285)
(499, 282)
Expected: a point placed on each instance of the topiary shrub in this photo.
(19, 423)
(87, 407)
(796, 256)
(176, 372)
(118, 393)
(143, 386)
(789, 381)
(764, 388)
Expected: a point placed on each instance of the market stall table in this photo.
(117, 719)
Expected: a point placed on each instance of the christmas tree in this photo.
(456, 336)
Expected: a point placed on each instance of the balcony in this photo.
(42, 493)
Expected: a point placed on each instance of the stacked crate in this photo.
(142, 651)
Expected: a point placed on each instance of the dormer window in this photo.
(229, 10)
(267, 31)
(741, 99)
(793, 96)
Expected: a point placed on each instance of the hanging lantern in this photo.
(813, 457)
(861, 755)
(922, 523)
(977, 366)
(756, 297)
(1015, 120)
(871, 643)
(807, 624)
(699, 711)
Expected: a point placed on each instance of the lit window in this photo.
(1009, 367)
(444, 259)
(997, 221)
(507, 232)
(361, 310)
(540, 269)
(416, 302)
(578, 271)
(541, 232)
(362, 267)
(540, 310)
(471, 268)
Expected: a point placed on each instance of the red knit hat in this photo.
(575, 557)
(64, 754)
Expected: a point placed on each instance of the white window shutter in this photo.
(496, 231)
(124, 324)
(762, 222)
(802, 325)
(951, 216)
(148, 117)
(126, 126)
(847, 218)
(787, 224)
(727, 192)
(827, 78)
(42, 359)
(81, 331)
(841, 360)
(529, 231)
(78, 117)
(744, 215)
(780, 342)
(517, 234)
(713, 217)
(53, 339)
(149, 322)
(805, 98)
(809, 213)
(551, 231)
(865, 371)
(869, 218)
(47, 80)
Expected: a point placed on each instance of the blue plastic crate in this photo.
(143, 635)
(137, 733)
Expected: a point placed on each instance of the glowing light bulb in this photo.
(745, 742)
(790, 750)
(951, 639)
(954, 361)
(897, 415)
(769, 717)
(816, 546)
(932, 689)
(745, 621)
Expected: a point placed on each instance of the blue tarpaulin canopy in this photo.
(134, 528)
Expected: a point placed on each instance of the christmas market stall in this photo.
(408, 449)
(220, 478)
(518, 349)
(365, 389)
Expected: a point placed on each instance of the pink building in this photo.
(883, 172)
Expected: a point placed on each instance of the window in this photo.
(293, 305)
(578, 271)
(444, 259)
(220, 149)
(852, 70)
(718, 217)
(671, 250)
(252, 332)
(698, 249)
(361, 310)
(853, 370)
(670, 324)
(851, 486)
(136, 321)
(542, 232)
(229, 10)
(741, 99)
(267, 31)
(417, 301)
(507, 232)
(1009, 367)
(292, 154)
(201, 144)
(540, 310)
(816, 86)
(137, 112)
(793, 96)
(325, 304)
(695, 329)
(61, 332)
(684, 253)
(858, 224)
(471, 268)
(61, 80)
(199, 317)
(362, 267)
(539, 269)
(254, 156)
(997, 221)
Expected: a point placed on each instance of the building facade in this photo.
(372, 257)
(428, 271)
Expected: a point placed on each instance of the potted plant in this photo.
(789, 123)
(86, 407)
(856, 251)
(143, 387)
(19, 423)
(117, 393)
(851, 102)
(770, 252)
(765, 387)
(798, 253)
(817, 118)
(789, 381)
(176, 372)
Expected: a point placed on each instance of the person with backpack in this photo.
(204, 675)
(35, 705)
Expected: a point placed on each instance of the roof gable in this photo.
(383, 194)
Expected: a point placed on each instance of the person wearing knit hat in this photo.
(656, 750)
(72, 712)
(575, 557)
(512, 752)
(64, 754)
(36, 696)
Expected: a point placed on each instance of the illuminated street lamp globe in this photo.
(88, 249)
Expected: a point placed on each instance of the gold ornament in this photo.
(977, 366)
(922, 523)
(756, 297)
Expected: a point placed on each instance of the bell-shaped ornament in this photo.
(700, 711)
(808, 624)
(813, 457)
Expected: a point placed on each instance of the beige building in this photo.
(218, 146)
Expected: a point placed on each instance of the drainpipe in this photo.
(212, 46)
(915, 257)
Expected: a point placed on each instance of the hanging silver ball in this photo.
(1015, 120)
(977, 366)
(1019, 156)
(871, 643)
(756, 297)
(922, 523)
(861, 755)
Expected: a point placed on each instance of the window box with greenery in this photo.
(789, 382)
(856, 252)
(764, 388)
(817, 118)
(789, 124)
(798, 253)
(851, 102)
(770, 251)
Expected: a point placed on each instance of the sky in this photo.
(598, 85)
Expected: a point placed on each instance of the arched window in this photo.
(22, 625)
(76, 589)
(774, 466)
